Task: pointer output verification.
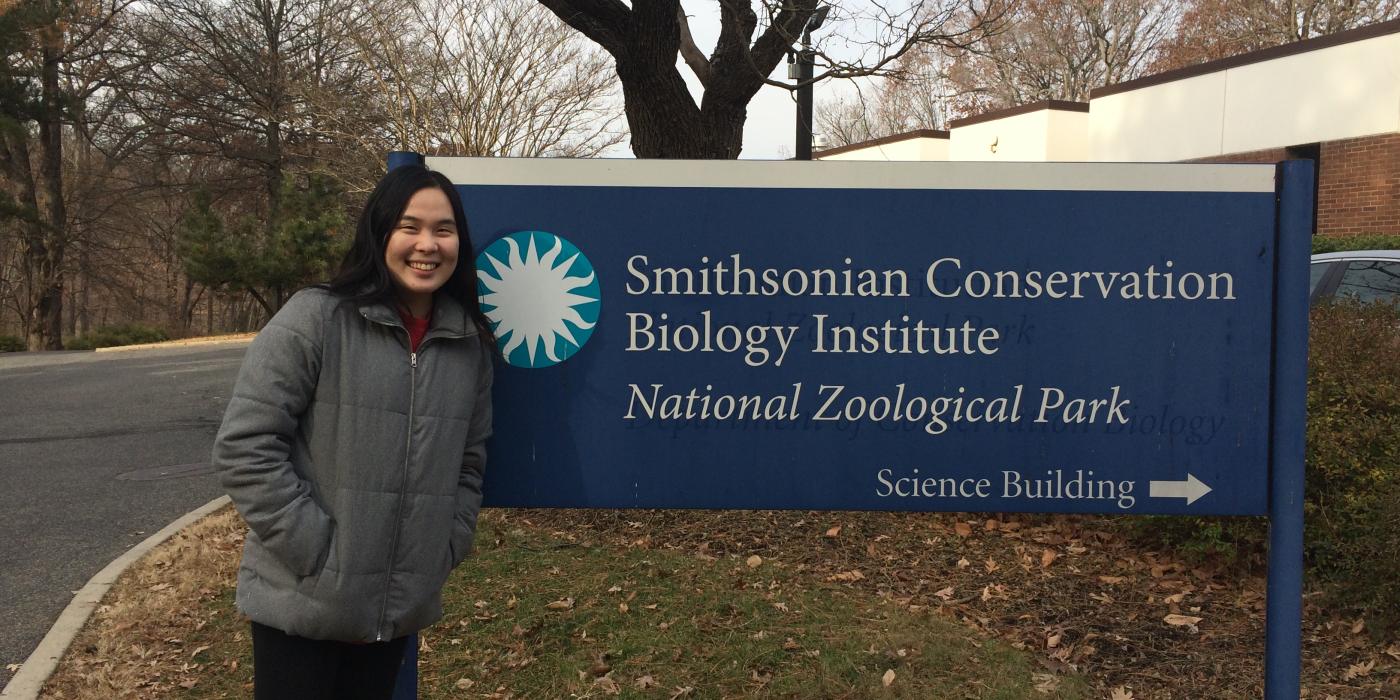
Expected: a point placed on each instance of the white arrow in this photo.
(1191, 489)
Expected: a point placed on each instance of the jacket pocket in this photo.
(459, 545)
(326, 563)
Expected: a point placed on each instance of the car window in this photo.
(1319, 271)
(1371, 280)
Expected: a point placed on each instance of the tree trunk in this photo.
(44, 252)
(665, 122)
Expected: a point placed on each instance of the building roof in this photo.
(1352, 35)
(895, 138)
(1062, 105)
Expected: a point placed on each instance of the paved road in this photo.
(77, 433)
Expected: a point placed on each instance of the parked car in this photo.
(1368, 275)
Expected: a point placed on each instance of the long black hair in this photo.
(364, 276)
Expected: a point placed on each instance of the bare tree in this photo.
(919, 96)
(467, 77)
(43, 44)
(1061, 49)
(231, 80)
(646, 38)
(1213, 29)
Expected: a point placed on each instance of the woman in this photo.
(353, 446)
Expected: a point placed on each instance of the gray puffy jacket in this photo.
(356, 465)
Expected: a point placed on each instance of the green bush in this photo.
(9, 343)
(1352, 490)
(1332, 244)
(111, 336)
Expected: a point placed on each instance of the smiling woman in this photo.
(353, 446)
(421, 252)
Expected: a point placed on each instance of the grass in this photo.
(536, 615)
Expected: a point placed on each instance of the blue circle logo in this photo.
(541, 295)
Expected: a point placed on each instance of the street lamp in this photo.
(801, 71)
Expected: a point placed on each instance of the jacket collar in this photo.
(449, 318)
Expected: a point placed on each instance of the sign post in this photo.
(1284, 614)
(1057, 337)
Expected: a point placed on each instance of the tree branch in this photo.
(603, 21)
(694, 57)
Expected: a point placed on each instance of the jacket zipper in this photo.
(403, 488)
(407, 460)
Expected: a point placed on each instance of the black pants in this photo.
(297, 668)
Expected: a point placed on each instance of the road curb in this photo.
(35, 671)
(187, 342)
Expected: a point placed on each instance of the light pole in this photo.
(801, 71)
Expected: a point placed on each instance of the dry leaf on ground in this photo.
(888, 678)
(1355, 671)
(1181, 620)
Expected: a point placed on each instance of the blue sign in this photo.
(1104, 338)
(951, 337)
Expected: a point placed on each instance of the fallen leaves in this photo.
(1355, 671)
(561, 604)
(888, 678)
(1120, 693)
(1047, 558)
(833, 531)
(754, 561)
(607, 685)
(1045, 683)
(962, 528)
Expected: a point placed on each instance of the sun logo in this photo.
(542, 306)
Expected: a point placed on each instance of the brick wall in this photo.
(1358, 190)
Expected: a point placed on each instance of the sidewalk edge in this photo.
(41, 664)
